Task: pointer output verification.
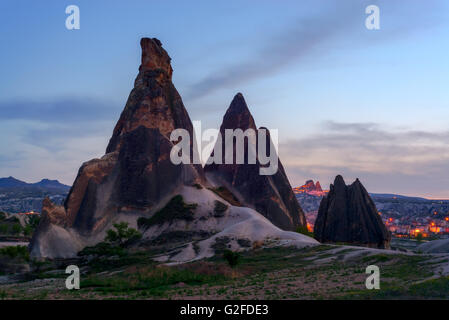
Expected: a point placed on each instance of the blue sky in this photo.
(363, 103)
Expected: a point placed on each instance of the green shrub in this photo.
(176, 208)
(246, 243)
(122, 235)
(419, 237)
(16, 252)
(4, 228)
(304, 230)
(2, 215)
(219, 208)
(27, 230)
(103, 249)
(224, 193)
(221, 244)
(16, 228)
(33, 221)
(233, 258)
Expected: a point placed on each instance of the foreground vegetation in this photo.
(322, 272)
(11, 226)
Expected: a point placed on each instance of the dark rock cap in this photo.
(154, 57)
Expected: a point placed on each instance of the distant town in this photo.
(404, 217)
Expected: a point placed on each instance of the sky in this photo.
(368, 104)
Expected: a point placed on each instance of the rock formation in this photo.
(52, 239)
(136, 172)
(310, 188)
(171, 205)
(271, 195)
(348, 214)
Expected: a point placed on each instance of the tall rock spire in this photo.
(348, 214)
(271, 195)
(136, 172)
(154, 101)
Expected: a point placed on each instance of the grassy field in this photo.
(321, 272)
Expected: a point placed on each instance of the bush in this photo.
(122, 235)
(16, 228)
(233, 258)
(303, 230)
(176, 208)
(27, 230)
(246, 243)
(33, 221)
(224, 193)
(103, 249)
(419, 237)
(16, 252)
(219, 208)
(4, 228)
(221, 244)
(2, 215)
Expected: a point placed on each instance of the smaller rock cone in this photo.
(348, 214)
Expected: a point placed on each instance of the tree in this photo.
(233, 258)
(3, 228)
(16, 228)
(33, 221)
(304, 230)
(122, 235)
(27, 230)
(419, 237)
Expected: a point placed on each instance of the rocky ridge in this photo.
(173, 205)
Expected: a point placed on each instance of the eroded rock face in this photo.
(136, 178)
(348, 214)
(51, 237)
(136, 172)
(271, 195)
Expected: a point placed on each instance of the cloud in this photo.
(403, 161)
(61, 110)
(338, 26)
(52, 139)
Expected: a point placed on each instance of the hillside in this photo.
(19, 196)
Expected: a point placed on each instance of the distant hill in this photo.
(12, 182)
(396, 196)
(20, 196)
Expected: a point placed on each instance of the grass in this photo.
(436, 288)
(154, 281)
(269, 273)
